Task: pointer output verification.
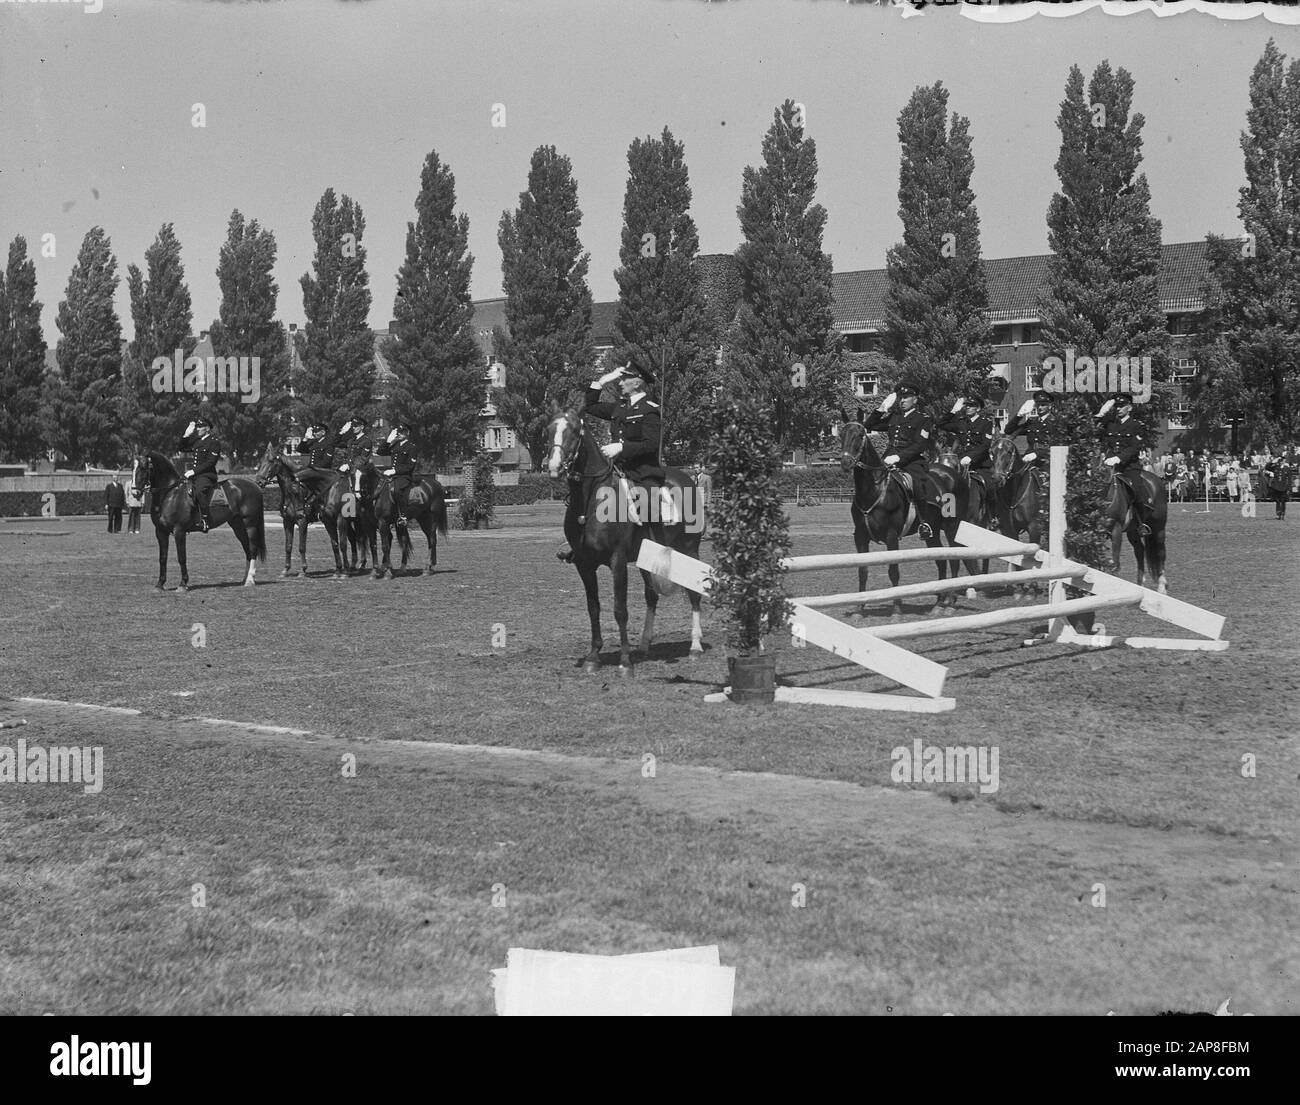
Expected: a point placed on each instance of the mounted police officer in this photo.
(1122, 447)
(1278, 474)
(355, 440)
(911, 434)
(1043, 427)
(204, 454)
(403, 473)
(973, 431)
(635, 425)
(319, 446)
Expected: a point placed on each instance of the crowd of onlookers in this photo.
(1227, 477)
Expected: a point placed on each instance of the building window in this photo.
(1000, 416)
(1033, 377)
(1002, 335)
(866, 384)
(1028, 334)
(492, 438)
(1184, 368)
(1181, 417)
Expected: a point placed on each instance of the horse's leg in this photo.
(162, 534)
(180, 558)
(620, 610)
(304, 523)
(241, 531)
(861, 543)
(1139, 554)
(289, 527)
(385, 568)
(1156, 548)
(431, 536)
(891, 543)
(589, 583)
(651, 607)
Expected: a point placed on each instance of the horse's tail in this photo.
(439, 508)
(259, 537)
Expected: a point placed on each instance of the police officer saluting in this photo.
(403, 473)
(1038, 422)
(973, 431)
(911, 434)
(635, 424)
(205, 452)
(356, 442)
(1122, 447)
(316, 474)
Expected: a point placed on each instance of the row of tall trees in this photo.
(770, 336)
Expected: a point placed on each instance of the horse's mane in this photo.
(163, 465)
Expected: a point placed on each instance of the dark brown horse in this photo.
(426, 504)
(1148, 549)
(965, 498)
(236, 501)
(358, 529)
(601, 531)
(883, 510)
(327, 509)
(1019, 496)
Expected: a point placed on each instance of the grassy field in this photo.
(482, 766)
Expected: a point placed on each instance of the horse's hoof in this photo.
(971, 593)
(287, 574)
(1162, 588)
(695, 654)
(159, 587)
(625, 668)
(947, 611)
(182, 589)
(429, 572)
(591, 667)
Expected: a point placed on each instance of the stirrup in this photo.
(924, 531)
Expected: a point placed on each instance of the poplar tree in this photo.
(439, 388)
(22, 358)
(163, 320)
(782, 348)
(661, 321)
(338, 352)
(247, 327)
(1252, 317)
(79, 409)
(546, 345)
(935, 326)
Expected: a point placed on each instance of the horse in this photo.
(1149, 549)
(602, 534)
(883, 509)
(426, 503)
(1019, 496)
(357, 526)
(966, 500)
(236, 500)
(276, 466)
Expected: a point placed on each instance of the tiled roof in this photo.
(1014, 284)
(490, 313)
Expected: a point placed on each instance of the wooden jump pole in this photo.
(992, 618)
(937, 586)
(1056, 526)
(905, 556)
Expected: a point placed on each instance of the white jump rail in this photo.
(873, 649)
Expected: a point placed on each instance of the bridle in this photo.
(881, 486)
(569, 453)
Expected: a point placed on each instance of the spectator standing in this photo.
(1231, 479)
(134, 502)
(114, 501)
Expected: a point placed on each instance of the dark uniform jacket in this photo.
(910, 436)
(115, 496)
(1123, 440)
(638, 426)
(1278, 476)
(360, 449)
(974, 435)
(1042, 429)
(321, 454)
(403, 454)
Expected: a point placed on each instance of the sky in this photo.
(96, 113)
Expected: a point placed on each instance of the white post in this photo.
(1056, 530)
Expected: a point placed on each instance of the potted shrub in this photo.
(478, 500)
(750, 538)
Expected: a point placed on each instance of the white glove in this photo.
(345, 427)
(392, 436)
(189, 430)
(965, 461)
(189, 472)
(892, 459)
(1026, 408)
(958, 405)
(1029, 456)
(343, 467)
(889, 402)
(1112, 461)
(1105, 407)
(390, 471)
(610, 377)
(612, 449)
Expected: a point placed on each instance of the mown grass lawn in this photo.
(375, 893)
